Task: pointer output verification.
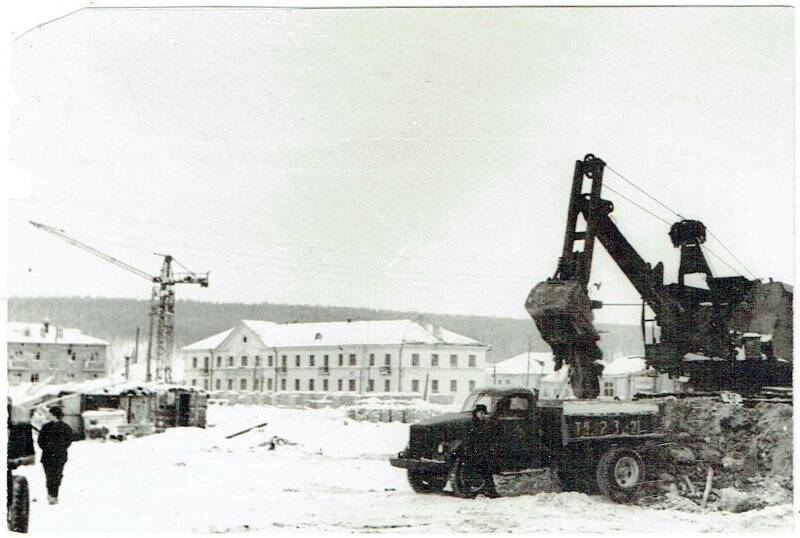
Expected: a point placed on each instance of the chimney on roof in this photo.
(45, 326)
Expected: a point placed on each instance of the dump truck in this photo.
(586, 444)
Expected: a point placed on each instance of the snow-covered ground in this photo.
(336, 478)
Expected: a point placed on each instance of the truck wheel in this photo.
(424, 483)
(19, 508)
(466, 479)
(620, 473)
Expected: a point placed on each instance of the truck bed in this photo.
(580, 420)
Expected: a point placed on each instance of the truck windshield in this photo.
(479, 398)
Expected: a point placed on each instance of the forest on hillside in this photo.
(116, 320)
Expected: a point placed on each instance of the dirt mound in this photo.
(746, 452)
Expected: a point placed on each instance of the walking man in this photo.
(54, 439)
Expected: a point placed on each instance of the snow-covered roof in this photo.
(347, 333)
(558, 376)
(208, 343)
(34, 333)
(624, 366)
(525, 363)
(34, 393)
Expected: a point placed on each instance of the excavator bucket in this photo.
(562, 311)
(563, 314)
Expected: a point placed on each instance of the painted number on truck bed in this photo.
(604, 426)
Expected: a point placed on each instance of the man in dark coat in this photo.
(479, 448)
(54, 439)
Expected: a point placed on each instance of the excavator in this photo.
(733, 334)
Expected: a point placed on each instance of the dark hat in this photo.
(57, 412)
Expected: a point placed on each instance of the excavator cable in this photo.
(717, 239)
(637, 205)
(717, 256)
(635, 186)
(665, 206)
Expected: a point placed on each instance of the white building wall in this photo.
(350, 368)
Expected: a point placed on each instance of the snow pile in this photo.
(749, 452)
(392, 410)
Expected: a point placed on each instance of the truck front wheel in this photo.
(424, 483)
(620, 474)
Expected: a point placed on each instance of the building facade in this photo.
(41, 352)
(337, 357)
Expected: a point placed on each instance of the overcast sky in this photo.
(398, 158)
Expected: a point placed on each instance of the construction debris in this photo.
(722, 456)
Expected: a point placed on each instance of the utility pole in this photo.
(127, 367)
(528, 365)
(136, 348)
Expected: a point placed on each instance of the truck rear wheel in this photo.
(424, 483)
(19, 507)
(620, 474)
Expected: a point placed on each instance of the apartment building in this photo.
(41, 352)
(387, 356)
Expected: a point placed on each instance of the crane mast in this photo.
(162, 302)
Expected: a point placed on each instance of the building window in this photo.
(283, 384)
(325, 361)
(230, 384)
(38, 356)
(258, 360)
(372, 359)
(71, 356)
(352, 385)
(219, 362)
(339, 384)
(434, 386)
(269, 384)
(194, 382)
(472, 361)
(34, 378)
(434, 359)
(244, 360)
(341, 360)
(194, 362)
(386, 385)
(387, 359)
(297, 360)
(269, 361)
(243, 384)
(370, 385)
(472, 385)
(311, 360)
(415, 385)
(453, 385)
(283, 361)
(244, 339)
(454, 361)
(206, 360)
(296, 384)
(353, 361)
(230, 361)
(325, 385)
(205, 384)
(310, 384)
(608, 388)
(218, 384)
(415, 359)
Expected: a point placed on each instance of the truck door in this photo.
(514, 433)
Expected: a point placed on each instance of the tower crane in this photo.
(162, 301)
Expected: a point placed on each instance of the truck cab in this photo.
(583, 441)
